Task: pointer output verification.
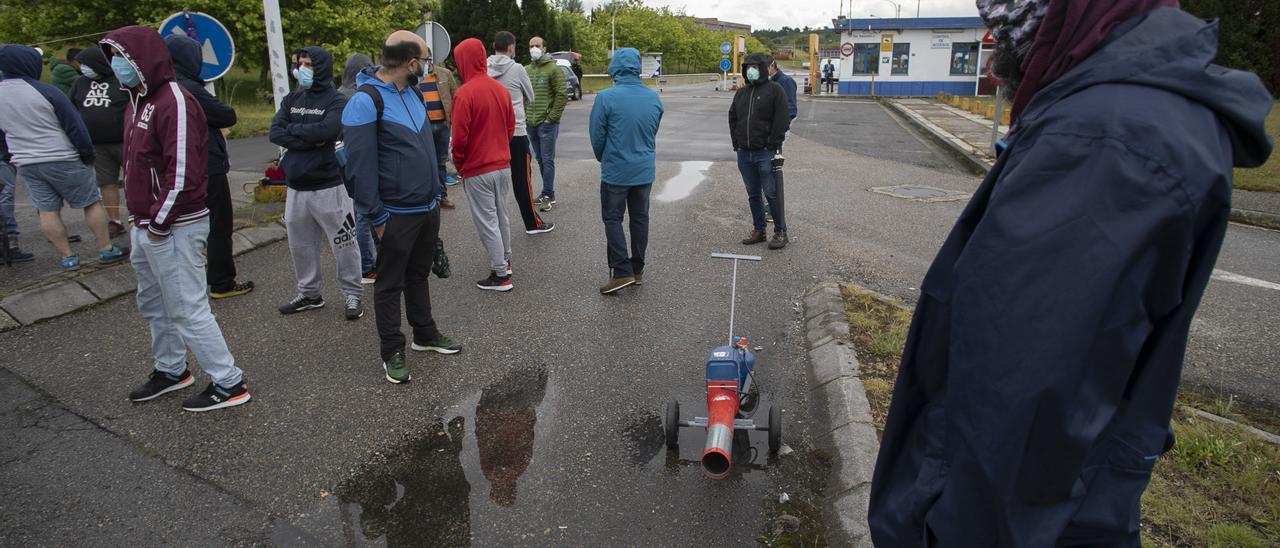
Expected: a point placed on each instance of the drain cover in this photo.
(920, 193)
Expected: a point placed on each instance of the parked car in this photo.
(574, 87)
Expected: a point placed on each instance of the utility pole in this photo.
(613, 34)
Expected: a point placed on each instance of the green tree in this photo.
(1249, 35)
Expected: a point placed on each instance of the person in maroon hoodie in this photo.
(483, 123)
(165, 136)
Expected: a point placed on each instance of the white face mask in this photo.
(535, 53)
(88, 72)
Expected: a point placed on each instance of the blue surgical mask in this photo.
(305, 77)
(125, 72)
(753, 74)
(88, 72)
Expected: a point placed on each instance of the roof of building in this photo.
(877, 23)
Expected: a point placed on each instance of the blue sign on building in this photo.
(216, 46)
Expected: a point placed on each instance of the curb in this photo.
(37, 304)
(843, 416)
(970, 156)
(980, 165)
(1260, 434)
(1255, 218)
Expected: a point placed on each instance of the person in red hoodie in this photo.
(483, 123)
(165, 136)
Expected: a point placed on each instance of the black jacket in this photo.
(307, 125)
(187, 60)
(101, 102)
(759, 117)
(1040, 372)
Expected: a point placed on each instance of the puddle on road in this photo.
(681, 186)
(419, 495)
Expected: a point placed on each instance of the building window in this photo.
(901, 58)
(866, 58)
(964, 58)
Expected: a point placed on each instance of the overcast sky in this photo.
(816, 13)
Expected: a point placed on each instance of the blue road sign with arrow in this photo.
(724, 48)
(216, 45)
(724, 65)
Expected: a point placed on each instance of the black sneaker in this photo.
(217, 397)
(442, 345)
(300, 303)
(495, 283)
(160, 383)
(354, 309)
(545, 228)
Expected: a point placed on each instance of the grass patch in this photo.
(878, 329)
(252, 120)
(1219, 486)
(1267, 177)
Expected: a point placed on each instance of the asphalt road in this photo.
(546, 429)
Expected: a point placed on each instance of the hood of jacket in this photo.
(321, 69)
(20, 62)
(96, 60)
(1172, 50)
(499, 65)
(188, 58)
(145, 50)
(471, 59)
(625, 66)
(356, 62)
(760, 60)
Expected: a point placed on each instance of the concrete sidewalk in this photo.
(39, 290)
(968, 137)
(46, 268)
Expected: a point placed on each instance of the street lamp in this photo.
(897, 7)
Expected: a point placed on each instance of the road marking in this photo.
(1223, 275)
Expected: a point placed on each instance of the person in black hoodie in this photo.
(318, 207)
(221, 275)
(98, 97)
(758, 122)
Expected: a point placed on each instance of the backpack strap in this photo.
(373, 94)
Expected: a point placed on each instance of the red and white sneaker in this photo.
(495, 283)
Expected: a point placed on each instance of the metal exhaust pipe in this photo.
(716, 457)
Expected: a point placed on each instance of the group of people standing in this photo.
(366, 170)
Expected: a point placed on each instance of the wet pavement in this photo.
(545, 430)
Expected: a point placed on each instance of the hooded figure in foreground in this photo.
(1039, 376)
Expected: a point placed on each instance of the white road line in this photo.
(1223, 275)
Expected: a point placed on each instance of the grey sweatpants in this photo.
(314, 217)
(487, 194)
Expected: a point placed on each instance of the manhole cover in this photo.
(920, 193)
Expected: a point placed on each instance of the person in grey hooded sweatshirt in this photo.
(504, 68)
(364, 233)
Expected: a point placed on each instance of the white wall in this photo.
(928, 64)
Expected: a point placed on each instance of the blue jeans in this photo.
(364, 238)
(543, 138)
(172, 298)
(614, 201)
(8, 185)
(440, 133)
(756, 167)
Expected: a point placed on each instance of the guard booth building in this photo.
(912, 56)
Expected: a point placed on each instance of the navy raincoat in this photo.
(1040, 372)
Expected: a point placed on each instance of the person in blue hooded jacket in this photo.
(624, 130)
(1039, 375)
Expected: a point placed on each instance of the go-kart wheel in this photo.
(775, 429)
(673, 424)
